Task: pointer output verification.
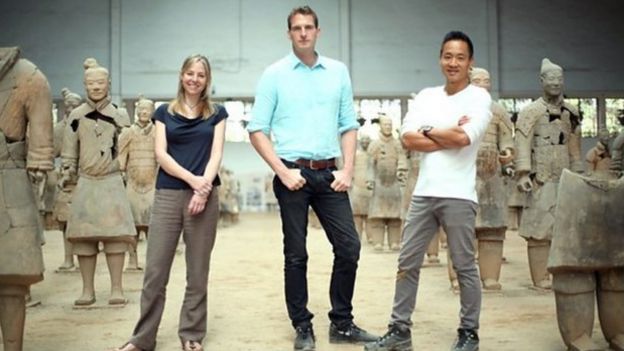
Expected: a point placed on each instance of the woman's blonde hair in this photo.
(208, 107)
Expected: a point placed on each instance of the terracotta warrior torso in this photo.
(359, 194)
(99, 207)
(386, 158)
(138, 159)
(491, 189)
(547, 141)
(25, 103)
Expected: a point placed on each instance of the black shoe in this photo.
(396, 339)
(304, 340)
(467, 340)
(349, 334)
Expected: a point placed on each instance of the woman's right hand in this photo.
(197, 204)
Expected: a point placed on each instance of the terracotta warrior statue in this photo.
(63, 196)
(270, 201)
(586, 259)
(618, 147)
(598, 158)
(138, 160)
(25, 104)
(516, 198)
(387, 170)
(228, 198)
(99, 211)
(359, 194)
(548, 140)
(494, 161)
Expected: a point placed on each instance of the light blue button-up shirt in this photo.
(305, 109)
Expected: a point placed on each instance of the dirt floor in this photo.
(246, 302)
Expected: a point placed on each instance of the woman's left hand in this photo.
(197, 204)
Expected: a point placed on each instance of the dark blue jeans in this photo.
(334, 213)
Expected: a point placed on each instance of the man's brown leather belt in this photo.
(316, 164)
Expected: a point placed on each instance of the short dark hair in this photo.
(302, 10)
(458, 35)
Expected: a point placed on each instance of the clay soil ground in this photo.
(246, 303)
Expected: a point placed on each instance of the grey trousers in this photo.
(424, 217)
(169, 219)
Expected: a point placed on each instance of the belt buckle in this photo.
(311, 165)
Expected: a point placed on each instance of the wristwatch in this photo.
(425, 130)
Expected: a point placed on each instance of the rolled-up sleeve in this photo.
(346, 116)
(264, 104)
(480, 116)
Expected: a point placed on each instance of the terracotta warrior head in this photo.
(96, 80)
(365, 140)
(480, 77)
(551, 77)
(385, 125)
(71, 100)
(144, 110)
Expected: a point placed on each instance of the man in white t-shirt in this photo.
(445, 125)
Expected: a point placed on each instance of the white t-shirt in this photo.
(449, 173)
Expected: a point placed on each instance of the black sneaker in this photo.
(304, 340)
(349, 334)
(467, 340)
(396, 339)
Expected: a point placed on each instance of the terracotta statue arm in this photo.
(616, 153)
(124, 141)
(70, 152)
(38, 110)
(523, 142)
(574, 150)
(370, 165)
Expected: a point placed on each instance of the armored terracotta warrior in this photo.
(618, 148)
(516, 198)
(228, 198)
(223, 190)
(25, 104)
(60, 211)
(598, 158)
(99, 211)
(586, 260)
(494, 160)
(138, 160)
(548, 136)
(387, 168)
(270, 200)
(231, 199)
(359, 194)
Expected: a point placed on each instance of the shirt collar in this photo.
(295, 62)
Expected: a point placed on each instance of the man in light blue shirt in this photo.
(303, 119)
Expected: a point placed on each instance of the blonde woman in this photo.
(190, 133)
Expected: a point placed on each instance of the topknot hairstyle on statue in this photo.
(478, 70)
(143, 101)
(548, 66)
(91, 65)
(70, 97)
